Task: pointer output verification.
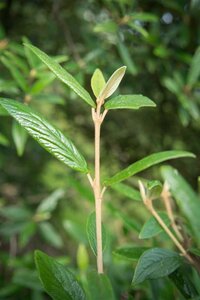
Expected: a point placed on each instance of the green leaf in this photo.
(113, 83)
(154, 189)
(129, 102)
(194, 70)
(152, 227)
(186, 199)
(194, 251)
(99, 287)
(3, 140)
(126, 58)
(156, 263)
(40, 84)
(46, 135)
(62, 74)
(26, 278)
(50, 203)
(57, 280)
(91, 233)
(130, 252)
(50, 234)
(129, 223)
(145, 163)
(82, 257)
(97, 82)
(16, 74)
(20, 137)
(127, 191)
(181, 279)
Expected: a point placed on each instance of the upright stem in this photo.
(97, 118)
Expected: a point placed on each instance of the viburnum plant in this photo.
(58, 281)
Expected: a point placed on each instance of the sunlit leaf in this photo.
(62, 74)
(145, 163)
(20, 137)
(113, 83)
(97, 82)
(129, 102)
(46, 135)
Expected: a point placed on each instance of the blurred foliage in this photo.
(44, 205)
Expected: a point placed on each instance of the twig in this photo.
(166, 196)
(149, 204)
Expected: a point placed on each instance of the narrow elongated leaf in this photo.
(91, 233)
(130, 252)
(126, 58)
(16, 74)
(62, 74)
(145, 163)
(3, 140)
(194, 71)
(20, 137)
(127, 191)
(99, 287)
(129, 102)
(186, 198)
(152, 227)
(113, 83)
(156, 263)
(46, 135)
(97, 82)
(50, 234)
(57, 280)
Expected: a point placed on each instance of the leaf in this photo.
(62, 74)
(129, 102)
(129, 223)
(82, 258)
(127, 191)
(57, 280)
(152, 227)
(26, 278)
(46, 135)
(181, 279)
(20, 137)
(50, 203)
(130, 252)
(156, 263)
(145, 163)
(126, 58)
(113, 83)
(50, 234)
(99, 287)
(3, 140)
(194, 251)
(186, 199)
(154, 189)
(16, 74)
(97, 82)
(194, 70)
(91, 233)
